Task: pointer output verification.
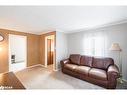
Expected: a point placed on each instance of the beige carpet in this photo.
(41, 78)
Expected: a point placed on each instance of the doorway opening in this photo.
(50, 52)
(17, 52)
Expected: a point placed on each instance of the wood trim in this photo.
(42, 46)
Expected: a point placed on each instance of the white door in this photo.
(17, 52)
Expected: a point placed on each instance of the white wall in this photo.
(61, 47)
(114, 33)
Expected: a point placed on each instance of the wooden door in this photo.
(49, 52)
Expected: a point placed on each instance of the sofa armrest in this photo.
(113, 72)
(63, 62)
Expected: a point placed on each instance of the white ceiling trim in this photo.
(122, 21)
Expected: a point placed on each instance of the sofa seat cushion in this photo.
(98, 74)
(82, 69)
(70, 66)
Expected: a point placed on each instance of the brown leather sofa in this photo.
(99, 71)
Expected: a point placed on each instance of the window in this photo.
(94, 45)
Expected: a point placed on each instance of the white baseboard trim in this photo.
(22, 69)
(34, 66)
(47, 67)
(4, 72)
(57, 69)
(43, 65)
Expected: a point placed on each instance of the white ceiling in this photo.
(40, 19)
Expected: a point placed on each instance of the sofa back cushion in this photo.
(102, 63)
(86, 60)
(75, 58)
